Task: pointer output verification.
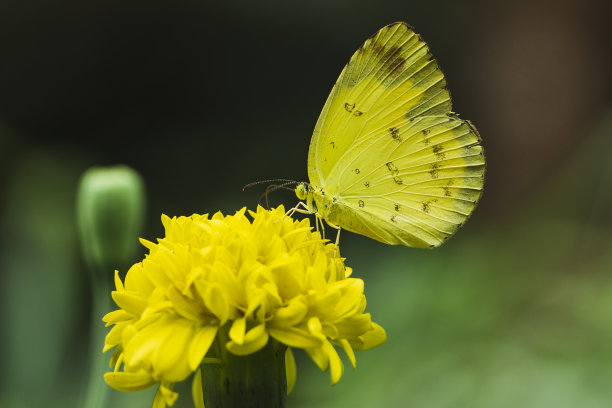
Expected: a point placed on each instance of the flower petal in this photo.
(291, 314)
(237, 331)
(118, 284)
(349, 352)
(196, 389)
(129, 382)
(335, 364)
(116, 316)
(164, 395)
(291, 369)
(215, 301)
(370, 339)
(255, 339)
(200, 344)
(319, 357)
(294, 337)
(130, 301)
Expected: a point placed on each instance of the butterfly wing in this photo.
(401, 168)
(391, 78)
(412, 184)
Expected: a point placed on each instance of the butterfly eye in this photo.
(301, 191)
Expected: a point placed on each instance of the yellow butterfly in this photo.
(388, 159)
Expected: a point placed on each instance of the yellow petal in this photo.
(315, 327)
(352, 295)
(216, 302)
(255, 339)
(116, 316)
(294, 337)
(291, 369)
(114, 337)
(319, 357)
(325, 302)
(129, 382)
(292, 314)
(148, 244)
(170, 360)
(335, 364)
(237, 331)
(164, 395)
(118, 285)
(116, 359)
(196, 389)
(200, 344)
(137, 280)
(349, 352)
(353, 326)
(142, 345)
(130, 301)
(370, 339)
(183, 305)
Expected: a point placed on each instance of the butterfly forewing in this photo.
(391, 78)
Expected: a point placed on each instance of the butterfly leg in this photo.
(320, 222)
(300, 208)
(337, 236)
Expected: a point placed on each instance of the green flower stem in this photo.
(97, 390)
(256, 380)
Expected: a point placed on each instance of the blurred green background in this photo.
(204, 97)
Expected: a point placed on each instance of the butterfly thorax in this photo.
(318, 201)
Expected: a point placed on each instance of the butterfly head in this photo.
(306, 192)
(302, 190)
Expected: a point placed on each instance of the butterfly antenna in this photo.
(286, 181)
(274, 187)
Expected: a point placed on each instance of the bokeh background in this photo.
(204, 97)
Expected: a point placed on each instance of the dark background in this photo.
(204, 97)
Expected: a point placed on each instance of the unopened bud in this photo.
(110, 215)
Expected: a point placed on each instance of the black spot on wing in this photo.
(392, 168)
(437, 149)
(426, 205)
(350, 108)
(395, 134)
(434, 172)
(446, 188)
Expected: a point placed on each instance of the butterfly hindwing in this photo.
(390, 79)
(424, 182)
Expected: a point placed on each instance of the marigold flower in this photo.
(273, 277)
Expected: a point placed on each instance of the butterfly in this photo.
(388, 158)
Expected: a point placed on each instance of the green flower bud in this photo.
(110, 215)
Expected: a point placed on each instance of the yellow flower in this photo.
(272, 277)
